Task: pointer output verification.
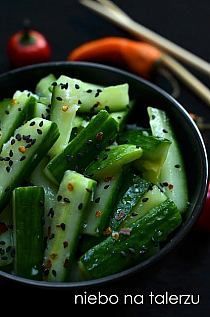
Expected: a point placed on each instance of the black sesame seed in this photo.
(99, 90)
(48, 110)
(59, 198)
(41, 124)
(54, 84)
(48, 117)
(10, 163)
(19, 109)
(51, 213)
(33, 141)
(8, 169)
(11, 153)
(97, 200)
(105, 158)
(80, 206)
(54, 273)
(6, 111)
(177, 166)
(63, 226)
(106, 186)
(7, 159)
(28, 146)
(52, 236)
(12, 141)
(46, 272)
(77, 86)
(79, 102)
(32, 123)
(165, 131)
(2, 242)
(18, 137)
(1, 158)
(119, 117)
(8, 249)
(59, 98)
(107, 108)
(153, 117)
(89, 91)
(165, 184)
(28, 95)
(145, 199)
(23, 158)
(97, 94)
(64, 86)
(43, 116)
(66, 200)
(39, 131)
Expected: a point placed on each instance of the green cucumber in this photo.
(173, 175)
(111, 161)
(152, 198)
(4, 104)
(103, 204)
(155, 151)
(21, 154)
(73, 196)
(73, 81)
(126, 248)
(20, 108)
(91, 99)
(84, 148)
(38, 178)
(28, 231)
(6, 237)
(43, 87)
(134, 190)
(41, 110)
(63, 112)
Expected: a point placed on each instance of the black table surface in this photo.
(186, 22)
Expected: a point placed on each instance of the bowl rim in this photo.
(186, 226)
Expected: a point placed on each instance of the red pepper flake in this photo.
(3, 227)
(125, 231)
(108, 178)
(65, 244)
(107, 231)
(22, 149)
(48, 264)
(99, 136)
(98, 213)
(120, 215)
(115, 235)
(65, 108)
(170, 186)
(70, 187)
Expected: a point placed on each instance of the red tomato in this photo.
(28, 47)
(203, 222)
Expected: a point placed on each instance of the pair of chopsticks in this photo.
(110, 11)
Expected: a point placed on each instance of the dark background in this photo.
(67, 24)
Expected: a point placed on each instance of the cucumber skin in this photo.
(114, 255)
(170, 174)
(136, 187)
(31, 163)
(68, 159)
(28, 231)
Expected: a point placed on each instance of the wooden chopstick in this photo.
(110, 11)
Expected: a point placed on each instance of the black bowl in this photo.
(145, 94)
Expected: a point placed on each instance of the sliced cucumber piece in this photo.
(28, 231)
(63, 113)
(20, 108)
(6, 237)
(84, 148)
(43, 88)
(173, 176)
(73, 196)
(155, 151)
(103, 204)
(152, 198)
(41, 110)
(126, 248)
(111, 161)
(21, 154)
(134, 190)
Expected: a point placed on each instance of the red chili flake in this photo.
(66, 263)
(108, 178)
(65, 108)
(170, 186)
(48, 264)
(65, 244)
(70, 187)
(125, 231)
(120, 215)
(22, 149)
(3, 227)
(107, 231)
(98, 213)
(99, 136)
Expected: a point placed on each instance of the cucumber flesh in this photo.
(28, 231)
(155, 151)
(63, 112)
(43, 88)
(126, 248)
(84, 148)
(134, 190)
(73, 196)
(152, 198)
(20, 108)
(102, 206)
(6, 237)
(22, 153)
(173, 176)
(111, 161)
